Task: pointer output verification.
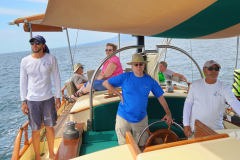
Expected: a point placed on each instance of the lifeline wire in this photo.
(11, 143)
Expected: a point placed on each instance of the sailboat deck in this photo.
(60, 127)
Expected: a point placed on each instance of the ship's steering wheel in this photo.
(161, 136)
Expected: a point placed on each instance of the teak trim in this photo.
(30, 18)
(184, 142)
(68, 149)
(83, 109)
(203, 130)
(132, 145)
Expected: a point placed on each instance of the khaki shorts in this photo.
(122, 126)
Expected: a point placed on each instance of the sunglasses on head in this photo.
(37, 42)
(136, 64)
(213, 68)
(108, 50)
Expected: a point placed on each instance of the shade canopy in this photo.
(201, 19)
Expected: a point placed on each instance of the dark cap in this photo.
(38, 38)
(41, 40)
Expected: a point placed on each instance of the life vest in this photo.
(236, 84)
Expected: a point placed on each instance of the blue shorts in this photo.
(42, 111)
(97, 85)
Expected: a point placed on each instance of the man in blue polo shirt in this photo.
(132, 114)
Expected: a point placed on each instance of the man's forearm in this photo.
(235, 104)
(107, 85)
(177, 74)
(187, 113)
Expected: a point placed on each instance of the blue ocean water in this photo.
(11, 116)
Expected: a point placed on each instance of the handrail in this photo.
(95, 73)
(17, 153)
(184, 52)
(114, 53)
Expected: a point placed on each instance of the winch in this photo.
(71, 132)
(169, 86)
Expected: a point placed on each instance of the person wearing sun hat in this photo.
(136, 85)
(38, 101)
(206, 100)
(78, 79)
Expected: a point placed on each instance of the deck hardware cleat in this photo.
(71, 132)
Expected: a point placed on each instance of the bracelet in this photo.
(24, 101)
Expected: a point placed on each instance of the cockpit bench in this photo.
(104, 136)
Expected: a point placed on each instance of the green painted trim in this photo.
(216, 17)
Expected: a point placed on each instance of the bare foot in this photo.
(52, 156)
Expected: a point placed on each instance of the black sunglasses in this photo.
(136, 64)
(37, 42)
(213, 68)
(108, 50)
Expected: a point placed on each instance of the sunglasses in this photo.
(37, 42)
(136, 64)
(213, 68)
(108, 50)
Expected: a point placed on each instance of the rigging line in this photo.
(74, 52)
(12, 142)
(191, 56)
(75, 45)
(158, 57)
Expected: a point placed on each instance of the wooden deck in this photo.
(60, 127)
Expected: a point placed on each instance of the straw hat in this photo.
(76, 66)
(137, 57)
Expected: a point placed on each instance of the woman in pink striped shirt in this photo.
(112, 67)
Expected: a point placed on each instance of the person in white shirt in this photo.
(169, 73)
(36, 92)
(207, 99)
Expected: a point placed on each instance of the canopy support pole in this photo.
(69, 47)
(119, 43)
(140, 41)
(30, 30)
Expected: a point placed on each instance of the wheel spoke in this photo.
(165, 140)
(150, 133)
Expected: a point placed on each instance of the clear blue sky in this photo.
(14, 39)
